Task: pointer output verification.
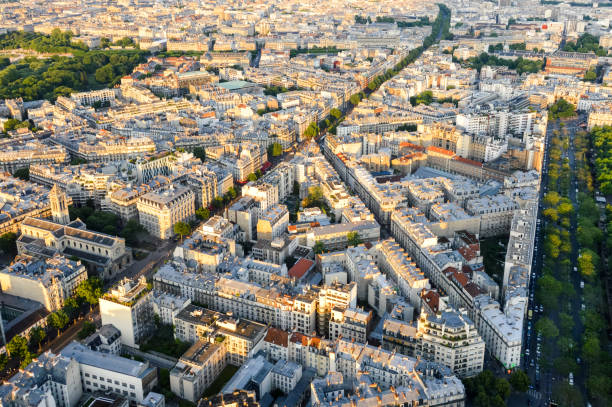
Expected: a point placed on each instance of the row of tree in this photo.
(555, 326)
(440, 29)
(593, 242)
(602, 143)
(23, 350)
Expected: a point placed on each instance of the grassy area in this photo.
(493, 251)
(163, 341)
(220, 381)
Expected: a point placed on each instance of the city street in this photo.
(543, 378)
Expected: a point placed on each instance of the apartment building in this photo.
(20, 200)
(600, 116)
(241, 338)
(50, 281)
(387, 368)
(273, 222)
(50, 380)
(128, 306)
(452, 340)
(495, 213)
(22, 155)
(160, 210)
(502, 331)
(352, 324)
(197, 369)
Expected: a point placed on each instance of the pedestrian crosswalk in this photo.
(533, 393)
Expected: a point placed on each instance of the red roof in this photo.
(468, 161)
(411, 145)
(473, 289)
(440, 151)
(277, 337)
(458, 276)
(468, 252)
(300, 268)
(432, 299)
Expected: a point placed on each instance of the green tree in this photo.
(275, 149)
(567, 395)
(335, 113)
(318, 247)
(547, 328)
(37, 335)
(599, 387)
(353, 239)
(8, 243)
(131, 231)
(548, 291)
(182, 229)
(71, 308)
(18, 348)
(202, 214)
(566, 322)
(199, 152)
(252, 177)
(565, 209)
(232, 193)
(590, 76)
(58, 320)
(312, 130)
(561, 109)
(591, 349)
(22, 173)
(87, 329)
(90, 291)
(551, 214)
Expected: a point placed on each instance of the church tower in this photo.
(59, 207)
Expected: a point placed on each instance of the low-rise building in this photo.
(106, 372)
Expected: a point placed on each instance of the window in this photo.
(86, 374)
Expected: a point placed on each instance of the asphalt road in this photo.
(545, 379)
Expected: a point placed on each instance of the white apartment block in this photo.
(502, 331)
(105, 372)
(160, 210)
(128, 306)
